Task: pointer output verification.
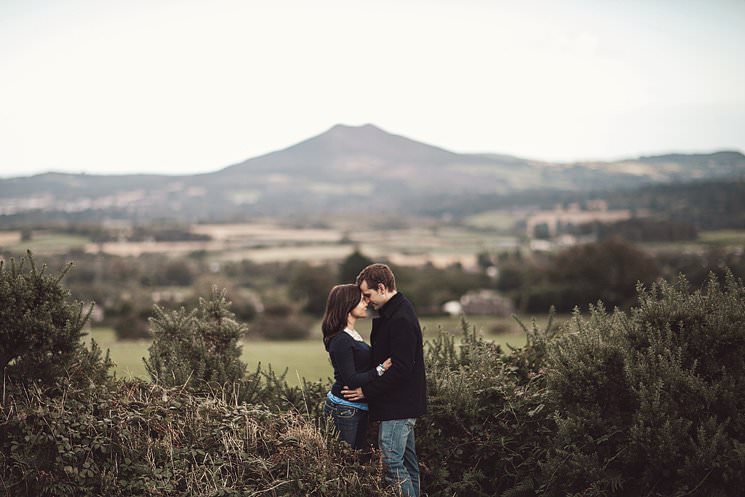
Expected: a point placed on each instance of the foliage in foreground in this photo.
(138, 439)
(646, 402)
(197, 348)
(41, 329)
(487, 425)
(652, 402)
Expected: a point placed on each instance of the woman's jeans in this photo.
(350, 422)
(396, 441)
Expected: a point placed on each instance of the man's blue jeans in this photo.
(396, 442)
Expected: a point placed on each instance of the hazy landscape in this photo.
(558, 187)
(299, 213)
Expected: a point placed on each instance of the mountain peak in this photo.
(346, 129)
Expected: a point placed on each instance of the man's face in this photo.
(375, 296)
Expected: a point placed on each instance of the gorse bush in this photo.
(652, 402)
(197, 348)
(41, 330)
(645, 402)
(487, 423)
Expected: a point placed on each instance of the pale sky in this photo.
(179, 86)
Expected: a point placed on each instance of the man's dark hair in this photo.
(374, 274)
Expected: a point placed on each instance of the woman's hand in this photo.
(387, 364)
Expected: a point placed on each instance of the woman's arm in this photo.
(342, 356)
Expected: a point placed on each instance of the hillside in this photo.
(343, 169)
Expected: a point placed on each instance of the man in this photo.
(399, 396)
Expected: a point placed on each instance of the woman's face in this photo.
(360, 310)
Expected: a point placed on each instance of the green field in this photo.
(499, 220)
(49, 242)
(723, 238)
(304, 358)
(706, 240)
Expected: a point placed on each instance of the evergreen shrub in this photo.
(651, 402)
(198, 348)
(487, 424)
(41, 329)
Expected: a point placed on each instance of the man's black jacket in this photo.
(402, 391)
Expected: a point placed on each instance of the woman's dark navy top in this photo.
(352, 361)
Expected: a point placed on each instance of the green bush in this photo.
(487, 424)
(652, 402)
(197, 348)
(41, 329)
(649, 401)
(273, 327)
(645, 402)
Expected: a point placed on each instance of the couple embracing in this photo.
(385, 382)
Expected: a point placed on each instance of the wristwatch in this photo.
(380, 369)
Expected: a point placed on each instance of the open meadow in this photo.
(307, 358)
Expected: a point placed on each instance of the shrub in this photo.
(487, 423)
(132, 326)
(41, 329)
(311, 285)
(137, 439)
(351, 266)
(273, 327)
(607, 271)
(199, 347)
(651, 402)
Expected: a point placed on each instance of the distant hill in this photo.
(347, 168)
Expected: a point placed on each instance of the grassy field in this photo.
(306, 358)
(499, 220)
(47, 242)
(723, 238)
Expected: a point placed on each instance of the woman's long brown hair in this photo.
(340, 302)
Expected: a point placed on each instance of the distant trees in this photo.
(429, 287)
(310, 285)
(351, 266)
(639, 229)
(579, 275)
(607, 270)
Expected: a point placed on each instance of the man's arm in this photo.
(403, 354)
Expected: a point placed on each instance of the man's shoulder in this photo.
(405, 310)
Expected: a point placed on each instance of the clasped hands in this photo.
(356, 394)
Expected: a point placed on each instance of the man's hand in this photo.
(353, 395)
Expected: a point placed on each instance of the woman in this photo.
(351, 358)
